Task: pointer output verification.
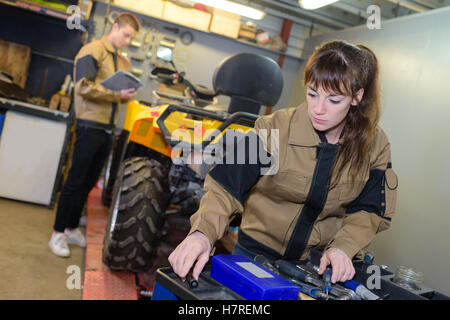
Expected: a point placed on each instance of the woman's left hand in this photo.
(343, 269)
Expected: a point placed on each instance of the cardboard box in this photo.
(85, 8)
(60, 102)
(225, 23)
(15, 59)
(153, 8)
(188, 17)
(247, 32)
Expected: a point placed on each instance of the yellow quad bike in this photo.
(163, 152)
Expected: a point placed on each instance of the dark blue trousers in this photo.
(92, 146)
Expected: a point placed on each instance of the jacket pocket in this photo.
(289, 186)
(350, 191)
(390, 189)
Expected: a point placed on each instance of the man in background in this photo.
(96, 115)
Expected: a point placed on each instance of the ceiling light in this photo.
(234, 8)
(314, 4)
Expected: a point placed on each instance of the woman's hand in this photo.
(343, 269)
(195, 247)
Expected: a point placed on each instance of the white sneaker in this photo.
(75, 237)
(58, 244)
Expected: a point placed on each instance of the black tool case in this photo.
(388, 289)
(392, 291)
(207, 289)
(210, 289)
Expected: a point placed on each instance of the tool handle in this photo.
(310, 290)
(327, 279)
(352, 285)
(290, 270)
(360, 290)
(191, 281)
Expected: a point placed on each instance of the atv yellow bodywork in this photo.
(141, 122)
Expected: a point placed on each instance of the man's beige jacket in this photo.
(95, 62)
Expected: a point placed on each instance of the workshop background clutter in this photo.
(174, 60)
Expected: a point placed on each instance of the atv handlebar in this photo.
(226, 118)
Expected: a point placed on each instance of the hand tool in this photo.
(191, 281)
(343, 293)
(368, 257)
(361, 290)
(310, 290)
(307, 289)
(336, 290)
(296, 272)
(172, 29)
(266, 263)
(327, 281)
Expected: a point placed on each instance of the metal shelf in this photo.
(37, 8)
(254, 45)
(42, 10)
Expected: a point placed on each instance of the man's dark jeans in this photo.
(91, 149)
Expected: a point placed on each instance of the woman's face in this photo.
(328, 110)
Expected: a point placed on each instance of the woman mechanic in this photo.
(334, 188)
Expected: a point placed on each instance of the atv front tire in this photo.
(136, 215)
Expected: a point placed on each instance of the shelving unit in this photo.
(38, 8)
(43, 10)
(248, 43)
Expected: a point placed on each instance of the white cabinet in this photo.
(30, 152)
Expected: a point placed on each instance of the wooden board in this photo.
(188, 17)
(225, 23)
(15, 60)
(153, 8)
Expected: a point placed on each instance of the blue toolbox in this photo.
(251, 280)
(229, 277)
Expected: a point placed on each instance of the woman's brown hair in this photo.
(344, 68)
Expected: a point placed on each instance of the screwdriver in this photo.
(327, 280)
(361, 290)
(310, 290)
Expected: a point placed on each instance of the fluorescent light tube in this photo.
(314, 4)
(234, 8)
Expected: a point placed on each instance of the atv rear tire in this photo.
(136, 215)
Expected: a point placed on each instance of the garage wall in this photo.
(199, 59)
(414, 56)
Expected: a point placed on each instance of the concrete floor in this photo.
(28, 269)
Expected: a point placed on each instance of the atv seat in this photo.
(251, 80)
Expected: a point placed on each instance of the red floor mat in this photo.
(100, 283)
